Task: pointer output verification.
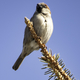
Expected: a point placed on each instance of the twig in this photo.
(59, 72)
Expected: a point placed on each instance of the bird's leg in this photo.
(39, 37)
(43, 43)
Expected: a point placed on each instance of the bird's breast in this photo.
(43, 27)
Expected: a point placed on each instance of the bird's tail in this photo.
(18, 63)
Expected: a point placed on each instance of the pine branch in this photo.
(52, 61)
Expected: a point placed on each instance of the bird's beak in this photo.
(39, 6)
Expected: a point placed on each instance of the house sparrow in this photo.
(43, 26)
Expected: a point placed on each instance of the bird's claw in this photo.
(39, 37)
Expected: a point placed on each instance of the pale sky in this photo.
(65, 39)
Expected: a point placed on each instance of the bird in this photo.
(43, 26)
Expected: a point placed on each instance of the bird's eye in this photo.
(45, 6)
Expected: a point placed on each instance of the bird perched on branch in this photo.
(43, 26)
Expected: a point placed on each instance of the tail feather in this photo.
(17, 63)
